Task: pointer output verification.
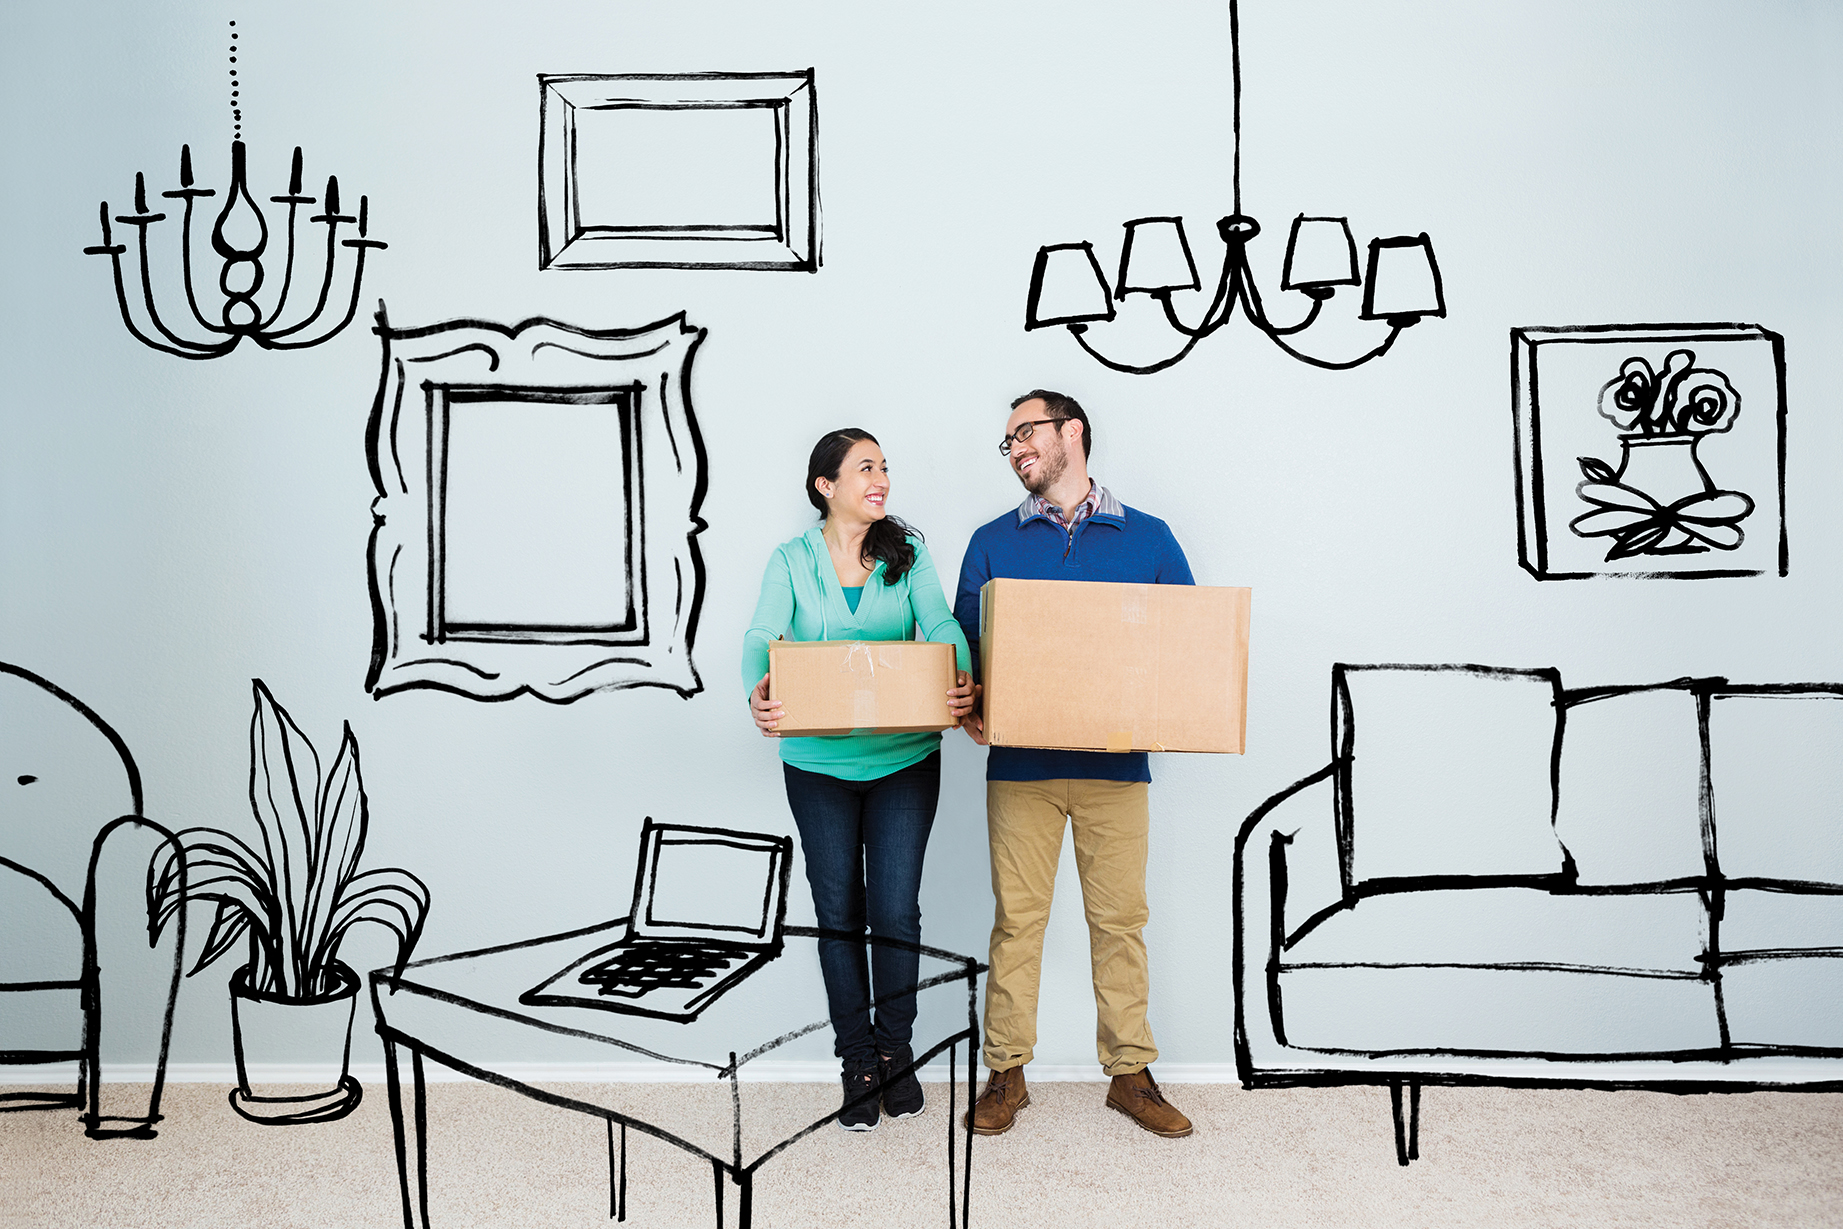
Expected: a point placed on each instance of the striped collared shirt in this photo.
(1100, 499)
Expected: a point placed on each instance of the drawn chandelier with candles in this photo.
(1067, 285)
(240, 236)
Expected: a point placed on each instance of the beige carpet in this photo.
(1314, 1157)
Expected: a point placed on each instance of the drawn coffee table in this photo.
(464, 1012)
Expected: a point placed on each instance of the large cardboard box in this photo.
(1084, 666)
(860, 686)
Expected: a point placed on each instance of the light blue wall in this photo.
(169, 530)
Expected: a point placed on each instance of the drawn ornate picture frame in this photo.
(678, 171)
(1653, 451)
(536, 520)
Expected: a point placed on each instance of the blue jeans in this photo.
(863, 843)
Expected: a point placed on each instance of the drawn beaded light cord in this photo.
(240, 237)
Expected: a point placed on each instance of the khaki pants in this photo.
(1024, 821)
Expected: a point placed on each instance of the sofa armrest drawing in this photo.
(1286, 870)
(83, 980)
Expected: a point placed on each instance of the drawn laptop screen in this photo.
(710, 887)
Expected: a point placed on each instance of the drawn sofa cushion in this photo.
(1776, 775)
(1451, 776)
(1629, 792)
(1505, 970)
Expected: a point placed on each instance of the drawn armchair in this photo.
(1499, 881)
(79, 979)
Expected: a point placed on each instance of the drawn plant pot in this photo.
(270, 1031)
(1698, 487)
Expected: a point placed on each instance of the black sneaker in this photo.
(902, 1093)
(861, 1086)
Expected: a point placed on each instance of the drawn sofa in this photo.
(1499, 881)
(79, 976)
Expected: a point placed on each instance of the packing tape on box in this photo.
(1120, 740)
(863, 709)
(850, 664)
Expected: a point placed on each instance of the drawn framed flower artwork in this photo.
(1654, 451)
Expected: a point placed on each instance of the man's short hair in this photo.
(1060, 405)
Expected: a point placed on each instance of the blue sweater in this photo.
(1118, 544)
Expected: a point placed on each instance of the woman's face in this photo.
(862, 486)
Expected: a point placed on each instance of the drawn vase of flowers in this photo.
(1661, 501)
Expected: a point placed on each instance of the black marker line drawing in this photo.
(1497, 880)
(1401, 283)
(694, 886)
(1696, 487)
(292, 901)
(682, 948)
(536, 520)
(71, 801)
(678, 171)
(240, 236)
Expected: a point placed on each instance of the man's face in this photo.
(1043, 458)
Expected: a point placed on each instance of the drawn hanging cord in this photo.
(88, 975)
(240, 237)
(1401, 284)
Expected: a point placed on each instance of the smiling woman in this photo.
(864, 802)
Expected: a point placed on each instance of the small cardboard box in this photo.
(1084, 666)
(860, 686)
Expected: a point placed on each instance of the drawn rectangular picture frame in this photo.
(634, 625)
(1650, 451)
(444, 402)
(773, 164)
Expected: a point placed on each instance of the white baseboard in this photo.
(762, 1071)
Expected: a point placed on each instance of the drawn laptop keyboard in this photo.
(634, 971)
(708, 910)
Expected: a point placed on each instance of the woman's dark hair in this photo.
(887, 539)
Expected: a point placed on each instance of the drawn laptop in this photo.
(709, 905)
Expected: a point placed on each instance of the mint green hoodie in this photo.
(802, 600)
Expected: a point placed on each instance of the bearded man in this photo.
(1069, 527)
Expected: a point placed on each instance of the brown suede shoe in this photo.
(1138, 1097)
(998, 1105)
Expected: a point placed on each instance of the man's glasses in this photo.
(1024, 432)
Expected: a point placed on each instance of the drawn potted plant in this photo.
(1660, 501)
(293, 900)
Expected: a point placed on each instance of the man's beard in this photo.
(1049, 468)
